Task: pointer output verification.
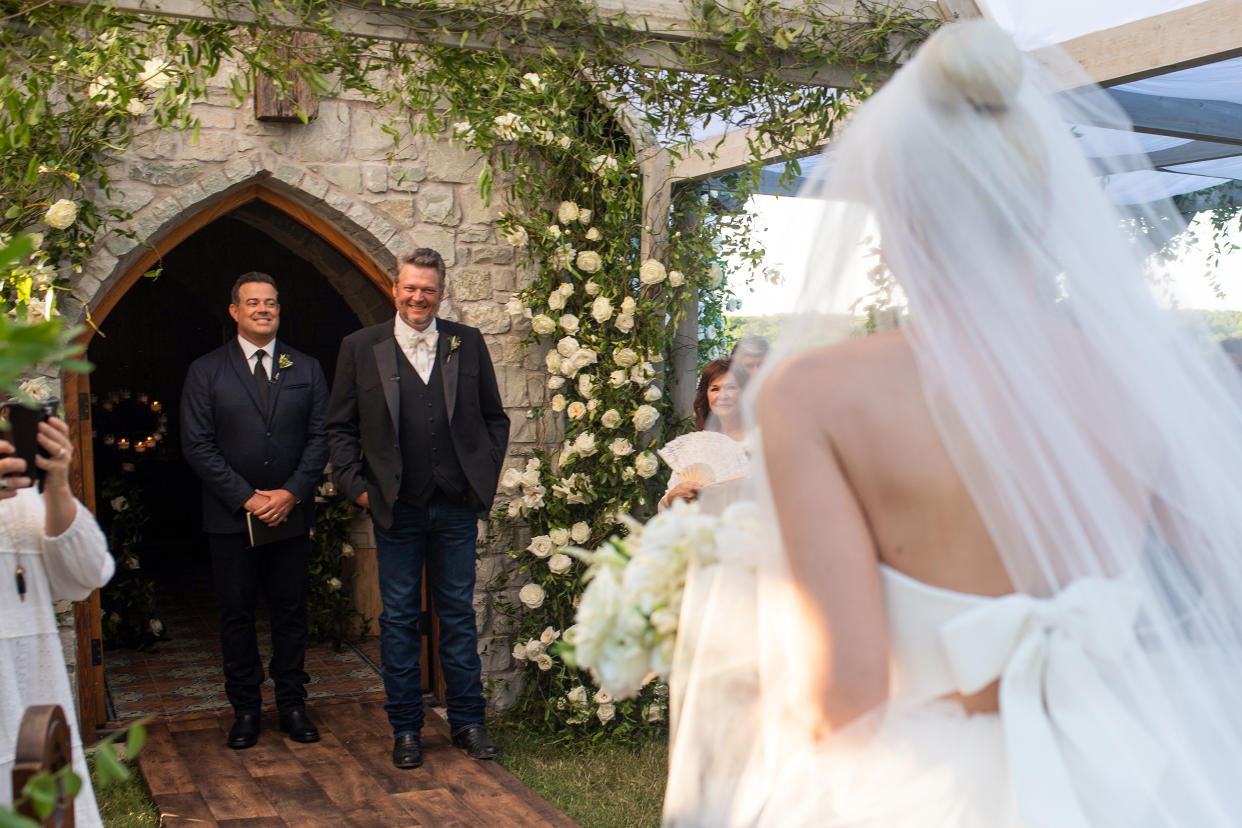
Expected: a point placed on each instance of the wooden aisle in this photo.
(346, 778)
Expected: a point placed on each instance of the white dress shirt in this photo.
(418, 346)
(249, 349)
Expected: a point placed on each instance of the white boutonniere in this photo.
(454, 344)
(282, 363)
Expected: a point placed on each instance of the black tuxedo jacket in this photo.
(235, 447)
(364, 414)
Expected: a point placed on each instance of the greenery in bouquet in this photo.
(330, 611)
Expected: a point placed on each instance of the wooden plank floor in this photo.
(346, 778)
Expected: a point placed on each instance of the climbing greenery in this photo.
(572, 109)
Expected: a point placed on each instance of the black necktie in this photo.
(260, 378)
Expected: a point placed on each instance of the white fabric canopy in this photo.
(1038, 23)
(1220, 81)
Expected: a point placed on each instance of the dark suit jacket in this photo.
(364, 414)
(235, 447)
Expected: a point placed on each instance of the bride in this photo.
(1008, 583)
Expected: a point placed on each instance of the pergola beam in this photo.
(1198, 120)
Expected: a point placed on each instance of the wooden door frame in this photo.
(88, 622)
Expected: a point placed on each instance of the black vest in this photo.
(428, 459)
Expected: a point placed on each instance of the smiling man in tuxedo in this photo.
(418, 436)
(252, 429)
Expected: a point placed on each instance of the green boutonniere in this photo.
(454, 344)
(282, 363)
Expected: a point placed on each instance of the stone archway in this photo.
(340, 245)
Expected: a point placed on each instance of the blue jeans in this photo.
(442, 536)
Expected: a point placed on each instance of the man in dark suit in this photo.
(252, 428)
(418, 436)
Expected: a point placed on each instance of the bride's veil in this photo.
(1099, 434)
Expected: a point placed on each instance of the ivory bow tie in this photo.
(425, 339)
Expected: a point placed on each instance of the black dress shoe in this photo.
(407, 751)
(245, 731)
(476, 743)
(298, 726)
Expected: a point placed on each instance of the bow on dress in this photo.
(1061, 715)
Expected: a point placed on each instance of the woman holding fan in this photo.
(713, 453)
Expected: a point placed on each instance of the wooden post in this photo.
(43, 744)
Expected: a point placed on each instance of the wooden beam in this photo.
(1198, 120)
(1179, 39)
(1184, 154)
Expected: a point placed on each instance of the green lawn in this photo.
(125, 804)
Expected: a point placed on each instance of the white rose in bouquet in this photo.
(628, 305)
(560, 537)
(646, 465)
(542, 324)
(584, 445)
(625, 357)
(559, 563)
(540, 546)
(533, 499)
(531, 596)
(576, 410)
(601, 309)
(624, 322)
(567, 346)
(645, 417)
(611, 418)
(558, 403)
(61, 214)
(621, 447)
(588, 261)
(594, 235)
(580, 531)
(591, 287)
(566, 212)
(569, 323)
(651, 272)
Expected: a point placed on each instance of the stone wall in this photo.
(385, 199)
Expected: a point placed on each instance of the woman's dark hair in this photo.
(712, 370)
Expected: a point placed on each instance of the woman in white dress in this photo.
(1001, 585)
(50, 549)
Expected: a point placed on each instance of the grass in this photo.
(597, 786)
(125, 804)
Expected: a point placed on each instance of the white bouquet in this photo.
(627, 621)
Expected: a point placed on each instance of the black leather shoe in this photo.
(407, 751)
(476, 743)
(245, 731)
(298, 726)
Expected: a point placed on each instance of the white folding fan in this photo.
(706, 457)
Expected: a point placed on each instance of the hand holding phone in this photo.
(19, 426)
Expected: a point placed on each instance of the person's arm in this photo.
(830, 551)
(492, 407)
(198, 442)
(341, 427)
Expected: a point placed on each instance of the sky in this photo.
(786, 229)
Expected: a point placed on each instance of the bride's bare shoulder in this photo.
(831, 371)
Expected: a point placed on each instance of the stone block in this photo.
(214, 182)
(439, 240)
(86, 288)
(210, 146)
(451, 162)
(469, 285)
(475, 234)
(290, 174)
(406, 178)
(147, 226)
(512, 381)
(491, 254)
(347, 177)
(472, 207)
(314, 186)
(176, 174)
(166, 210)
(190, 195)
(381, 229)
(338, 201)
(155, 143)
(215, 117)
(360, 214)
(375, 178)
(503, 279)
(120, 245)
(372, 143)
(400, 209)
(502, 691)
(131, 196)
(436, 205)
(488, 317)
(324, 139)
(242, 168)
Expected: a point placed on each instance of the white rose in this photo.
(514, 509)
(548, 636)
(591, 288)
(519, 652)
(715, 276)
(646, 464)
(517, 236)
(554, 231)
(335, 583)
(515, 307)
(575, 410)
(530, 478)
(611, 418)
(584, 216)
(463, 130)
(651, 272)
(628, 304)
(559, 563)
(580, 531)
(566, 212)
(592, 404)
(540, 546)
(534, 80)
(531, 596)
(510, 480)
(564, 141)
(552, 359)
(624, 322)
(533, 464)
(602, 164)
(556, 300)
(558, 382)
(593, 234)
(136, 107)
(585, 444)
(61, 214)
(347, 550)
(544, 661)
(542, 325)
(567, 346)
(621, 447)
(533, 499)
(153, 76)
(585, 386)
(605, 713)
(581, 359)
(119, 504)
(558, 403)
(559, 536)
(566, 289)
(645, 416)
(532, 649)
(601, 309)
(570, 323)
(577, 696)
(588, 261)
(653, 394)
(602, 696)
(157, 627)
(618, 378)
(625, 357)
(676, 278)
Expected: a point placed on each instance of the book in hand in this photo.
(261, 534)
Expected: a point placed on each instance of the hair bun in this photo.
(973, 61)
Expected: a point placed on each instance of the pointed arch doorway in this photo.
(331, 287)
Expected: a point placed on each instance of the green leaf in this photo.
(108, 766)
(135, 740)
(9, 819)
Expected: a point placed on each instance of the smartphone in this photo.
(20, 426)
